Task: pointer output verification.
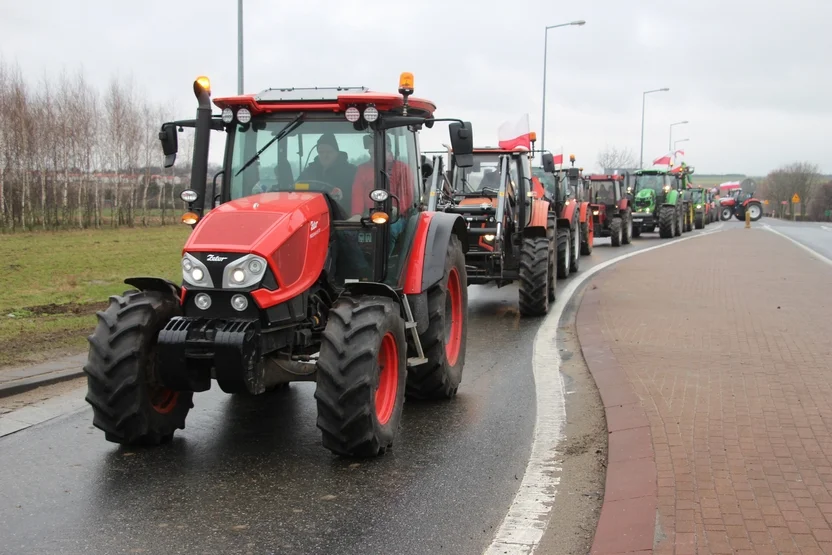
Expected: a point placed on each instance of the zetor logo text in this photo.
(216, 258)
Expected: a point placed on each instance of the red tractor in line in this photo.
(311, 259)
(737, 203)
(611, 210)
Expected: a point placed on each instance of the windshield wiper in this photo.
(291, 126)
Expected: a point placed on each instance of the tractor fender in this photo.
(159, 285)
(568, 215)
(672, 198)
(623, 204)
(539, 214)
(584, 212)
(751, 201)
(418, 303)
(426, 263)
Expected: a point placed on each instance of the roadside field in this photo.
(51, 283)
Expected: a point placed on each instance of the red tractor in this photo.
(611, 209)
(574, 227)
(737, 203)
(311, 259)
(511, 225)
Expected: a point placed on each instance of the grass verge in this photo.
(51, 284)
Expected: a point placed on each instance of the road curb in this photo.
(27, 384)
(628, 515)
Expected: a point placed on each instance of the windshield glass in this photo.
(546, 179)
(696, 195)
(654, 182)
(484, 174)
(317, 155)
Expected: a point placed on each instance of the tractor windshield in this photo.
(483, 176)
(696, 195)
(654, 182)
(323, 155)
(603, 192)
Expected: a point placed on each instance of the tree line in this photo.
(72, 156)
(803, 179)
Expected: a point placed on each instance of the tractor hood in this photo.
(645, 197)
(727, 201)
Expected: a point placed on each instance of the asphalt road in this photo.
(248, 475)
(816, 236)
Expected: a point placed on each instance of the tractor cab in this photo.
(611, 212)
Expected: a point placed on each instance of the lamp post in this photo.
(670, 140)
(239, 46)
(545, 52)
(643, 98)
(677, 142)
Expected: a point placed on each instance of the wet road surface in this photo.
(816, 236)
(248, 474)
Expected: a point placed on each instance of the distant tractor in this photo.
(296, 273)
(611, 212)
(737, 203)
(658, 203)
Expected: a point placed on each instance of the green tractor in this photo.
(658, 202)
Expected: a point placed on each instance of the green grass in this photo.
(51, 284)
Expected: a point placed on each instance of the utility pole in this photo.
(239, 46)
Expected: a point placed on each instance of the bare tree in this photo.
(614, 158)
(801, 178)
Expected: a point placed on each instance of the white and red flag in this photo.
(665, 160)
(510, 135)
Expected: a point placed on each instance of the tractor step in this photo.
(416, 361)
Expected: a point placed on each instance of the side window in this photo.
(404, 170)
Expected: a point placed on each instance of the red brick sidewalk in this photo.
(714, 362)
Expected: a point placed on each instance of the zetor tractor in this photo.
(611, 210)
(296, 270)
(737, 203)
(511, 225)
(658, 202)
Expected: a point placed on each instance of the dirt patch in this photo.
(65, 308)
(40, 348)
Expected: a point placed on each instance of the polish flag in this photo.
(682, 152)
(665, 160)
(558, 158)
(511, 135)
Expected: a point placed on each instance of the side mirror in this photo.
(462, 143)
(548, 162)
(170, 143)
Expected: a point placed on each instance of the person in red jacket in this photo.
(401, 182)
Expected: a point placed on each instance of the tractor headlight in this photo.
(666, 188)
(488, 237)
(698, 206)
(595, 212)
(244, 272)
(195, 273)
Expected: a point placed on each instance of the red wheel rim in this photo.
(453, 318)
(163, 399)
(388, 378)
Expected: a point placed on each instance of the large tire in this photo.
(667, 222)
(551, 234)
(127, 401)
(725, 213)
(615, 232)
(445, 340)
(576, 248)
(688, 221)
(636, 231)
(534, 276)
(680, 227)
(755, 210)
(627, 228)
(698, 222)
(587, 239)
(362, 369)
(564, 256)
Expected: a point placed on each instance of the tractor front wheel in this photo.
(680, 223)
(616, 232)
(726, 213)
(588, 237)
(636, 230)
(362, 369)
(576, 248)
(128, 402)
(564, 256)
(534, 276)
(667, 222)
(551, 235)
(627, 228)
(445, 339)
(698, 222)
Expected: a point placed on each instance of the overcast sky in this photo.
(751, 77)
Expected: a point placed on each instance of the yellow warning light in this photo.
(379, 218)
(205, 83)
(189, 218)
(406, 83)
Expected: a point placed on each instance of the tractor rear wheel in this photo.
(534, 276)
(698, 222)
(667, 222)
(636, 230)
(564, 256)
(688, 221)
(627, 228)
(587, 238)
(680, 228)
(576, 248)
(754, 210)
(128, 402)
(445, 339)
(362, 369)
(615, 232)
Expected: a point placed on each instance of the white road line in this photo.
(525, 523)
(799, 244)
(42, 411)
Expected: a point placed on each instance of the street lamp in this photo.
(677, 142)
(643, 98)
(545, 51)
(670, 140)
(239, 46)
